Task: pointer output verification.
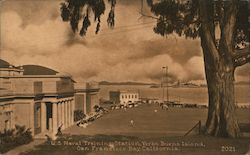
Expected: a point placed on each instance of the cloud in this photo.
(178, 48)
(243, 70)
(33, 39)
(195, 67)
(129, 52)
(33, 11)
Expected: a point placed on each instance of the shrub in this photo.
(78, 115)
(97, 108)
(12, 138)
(23, 136)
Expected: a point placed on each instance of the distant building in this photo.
(123, 97)
(37, 97)
(86, 96)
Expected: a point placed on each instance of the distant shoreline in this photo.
(184, 94)
(125, 83)
(155, 85)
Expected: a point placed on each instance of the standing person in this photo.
(59, 130)
(132, 122)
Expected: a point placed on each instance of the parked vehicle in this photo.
(131, 105)
(82, 123)
(121, 106)
(165, 106)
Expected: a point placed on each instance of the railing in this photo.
(197, 124)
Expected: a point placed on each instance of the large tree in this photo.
(192, 19)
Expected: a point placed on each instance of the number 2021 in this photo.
(228, 149)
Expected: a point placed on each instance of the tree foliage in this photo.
(75, 11)
(184, 17)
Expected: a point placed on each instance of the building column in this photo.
(72, 110)
(84, 103)
(63, 115)
(59, 118)
(54, 118)
(68, 114)
(31, 119)
(43, 116)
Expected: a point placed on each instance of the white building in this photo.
(37, 97)
(124, 97)
(42, 99)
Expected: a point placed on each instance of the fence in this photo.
(199, 127)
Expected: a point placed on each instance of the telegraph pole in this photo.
(165, 75)
(167, 83)
(162, 85)
(249, 84)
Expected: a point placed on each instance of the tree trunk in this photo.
(221, 120)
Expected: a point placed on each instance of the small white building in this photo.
(124, 97)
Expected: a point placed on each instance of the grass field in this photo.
(147, 122)
(153, 132)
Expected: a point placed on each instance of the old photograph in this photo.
(125, 77)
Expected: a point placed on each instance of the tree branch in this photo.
(149, 16)
(241, 57)
(226, 44)
(228, 27)
(206, 31)
(144, 15)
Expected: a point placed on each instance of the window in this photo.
(7, 124)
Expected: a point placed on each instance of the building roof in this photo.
(38, 70)
(4, 64)
(125, 91)
(32, 70)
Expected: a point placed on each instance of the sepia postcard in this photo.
(125, 77)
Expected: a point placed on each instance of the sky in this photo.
(32, 32)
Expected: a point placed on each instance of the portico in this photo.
(56, 114)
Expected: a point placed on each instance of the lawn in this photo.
(147, 122)
(155, 131)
